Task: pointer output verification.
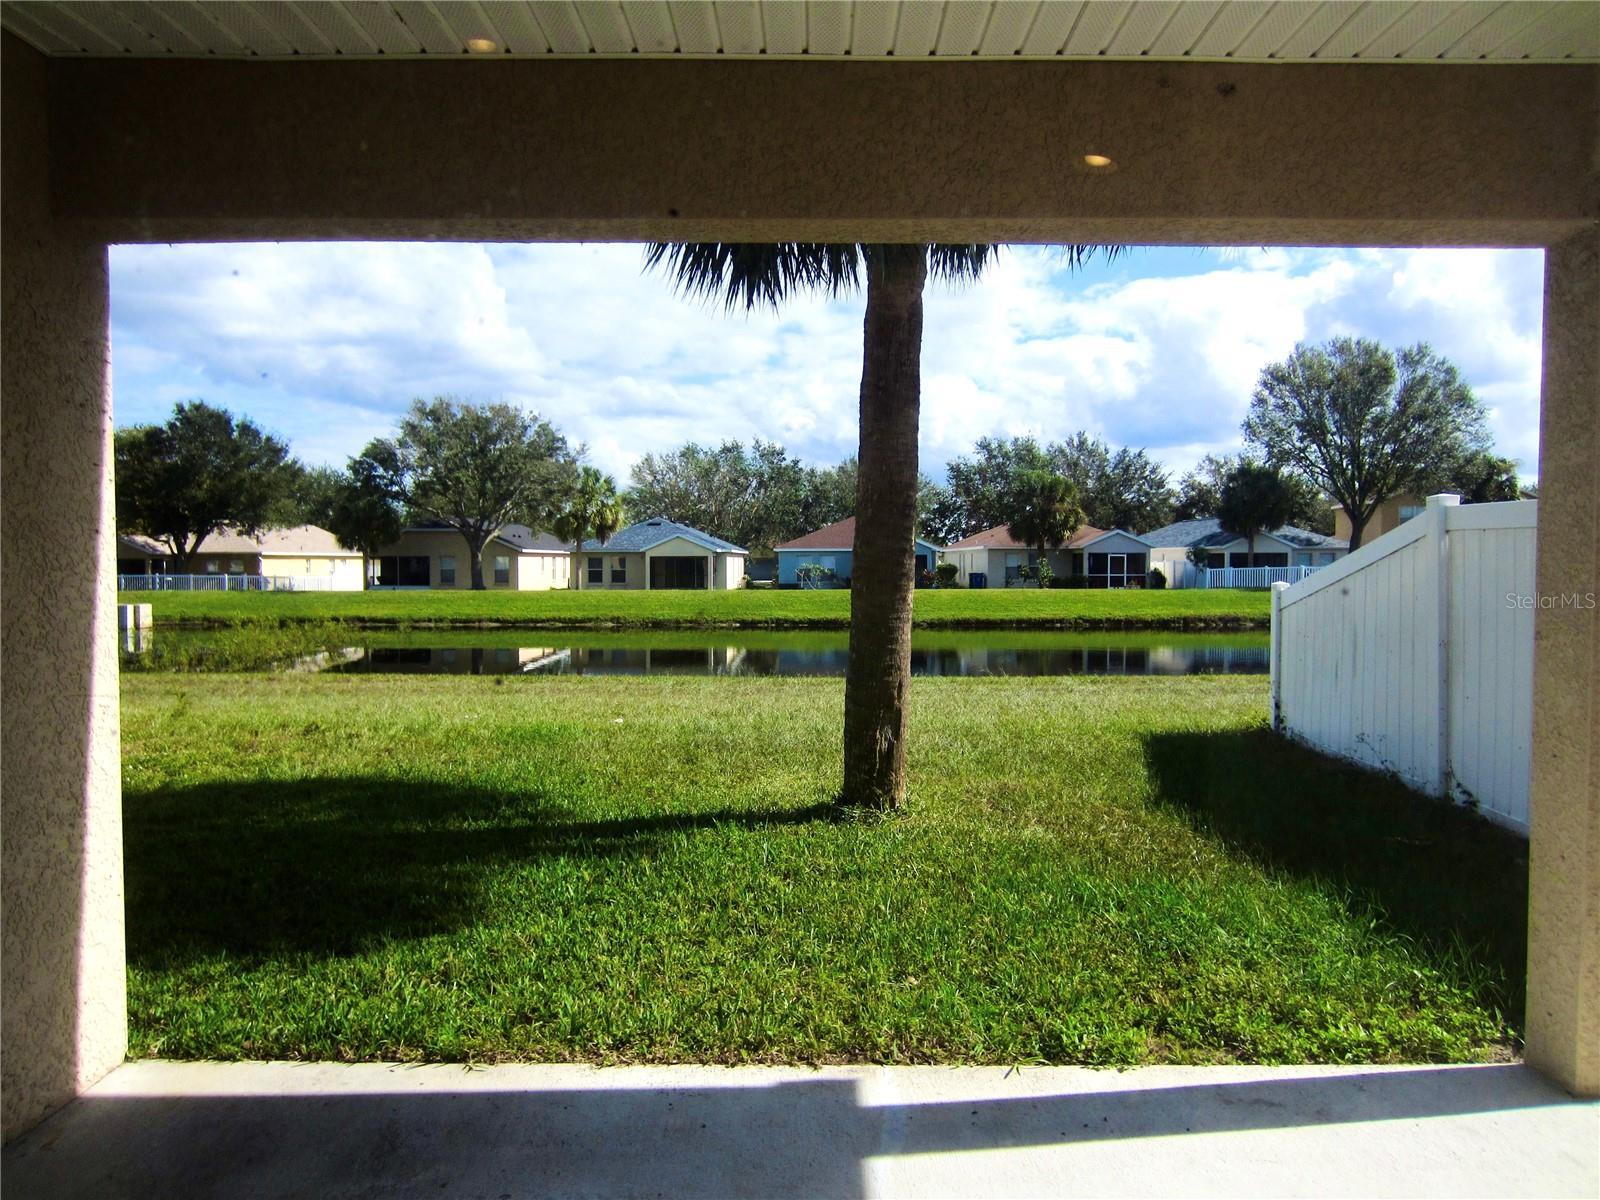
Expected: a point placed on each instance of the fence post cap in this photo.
(1443, 499)
(1280, 586)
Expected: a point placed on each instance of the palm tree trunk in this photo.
(878, 679)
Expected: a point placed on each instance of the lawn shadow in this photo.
(332, 866)
(1428, 869)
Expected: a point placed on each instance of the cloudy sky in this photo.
(325, 344)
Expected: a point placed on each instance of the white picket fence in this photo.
(1414, 655)
(1252, 577)
(228, 583)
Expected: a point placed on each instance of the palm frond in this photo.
(752, 274)
(959, 264)
(1077, 257)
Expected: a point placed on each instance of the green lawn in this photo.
(1189, 608)
(1095, 871)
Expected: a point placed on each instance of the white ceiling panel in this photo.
(829, 27)
(783, 26)
(607, 27)
(963, 26)
(739, 23)
(1188, 22)
(652, 27)
(917, 31)
(427, 27)
(514, 20)
(1097, 24)
(872, 27)
(383, 25)
(1323, 23)
(558, 22)
(1507, 21)
(696, 23)
(1139, 28)
(1244, 30)
(1009, 23)
(1235, 22)
(1370, 22)
(1051, 28)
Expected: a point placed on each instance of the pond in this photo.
(691, 652)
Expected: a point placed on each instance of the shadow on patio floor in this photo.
(279, 1129)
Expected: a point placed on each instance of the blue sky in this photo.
(325, 344)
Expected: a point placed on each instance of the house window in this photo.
(236, 566)
(502, 569)
(1014, 565)
(1407, 511)
(597, 570)
(213, 567)
(1216, 562)
(619, 570)
(447, 568)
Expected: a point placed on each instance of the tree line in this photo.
(1349, 422)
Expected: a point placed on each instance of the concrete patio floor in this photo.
(197, 1130)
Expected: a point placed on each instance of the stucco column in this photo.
(64, 983)
(1563, 1036)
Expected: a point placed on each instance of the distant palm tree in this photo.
(592, 510)
(883, 569)
(1045, 511)
(1255, 500)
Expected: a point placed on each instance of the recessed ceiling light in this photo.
(1098, 161)
(482, 45)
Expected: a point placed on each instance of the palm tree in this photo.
(1045, 510)
(592, 510)
(1255, 499)
(878, 677)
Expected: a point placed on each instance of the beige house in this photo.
(435, 556)
(1392, 513)
(996, 557)
(661, 555)
(303, 552)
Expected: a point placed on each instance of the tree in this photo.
(1483, 478)
(1364, 423)
(754, 497)
(200, 472)
(1044, 512)
(984, 483)
(1122, 490)
(1200, 494)
(592, 509)
(878, 677)
(308, 497)
(830, 495)
(473, 467)
(360, 514)
(1255, 500)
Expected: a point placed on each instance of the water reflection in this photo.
(1229, 655)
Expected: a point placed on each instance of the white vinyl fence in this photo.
(1252, 577)
(1414, 655)
(229, 583)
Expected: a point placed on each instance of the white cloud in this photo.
(328, 343)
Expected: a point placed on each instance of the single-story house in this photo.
(995, 558)
(830, 549)
(660, 555)
(433, 555)
(302, 551)
(1289, 546)
(1391, 514)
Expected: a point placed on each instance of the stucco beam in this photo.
(149, 150)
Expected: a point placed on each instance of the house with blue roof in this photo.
(661, 555)
(1179, 545)
(823, 557)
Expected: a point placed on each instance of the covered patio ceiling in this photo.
(1178, 30)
